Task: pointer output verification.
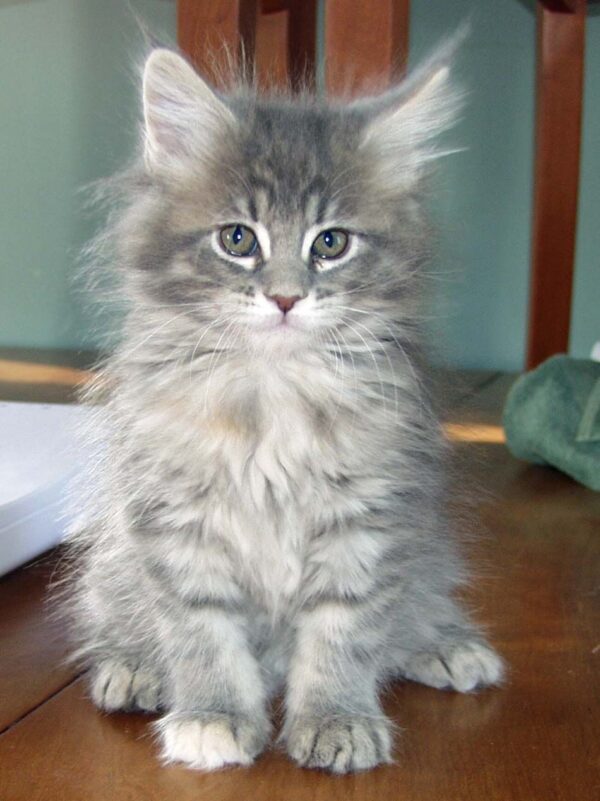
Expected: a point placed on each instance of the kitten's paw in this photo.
(462, 667)
(212, 741)
(340, 745)
(116, 685)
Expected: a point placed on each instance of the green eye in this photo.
(330, 244)
(238, 240)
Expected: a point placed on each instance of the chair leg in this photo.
(561, 37)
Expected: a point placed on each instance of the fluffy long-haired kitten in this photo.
(268, 514)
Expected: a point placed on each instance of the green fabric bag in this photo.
(552, 416)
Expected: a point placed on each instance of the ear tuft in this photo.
(403, 123)
(182, 114)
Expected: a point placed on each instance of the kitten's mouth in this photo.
(285, 325)
(290, 323)
(283, 322)
(282, 329)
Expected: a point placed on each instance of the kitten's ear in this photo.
(403, 123)
(182, 115)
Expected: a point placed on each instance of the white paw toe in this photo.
(211, 743)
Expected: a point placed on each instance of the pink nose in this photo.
(285, 304)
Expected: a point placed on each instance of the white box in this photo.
(39, 454)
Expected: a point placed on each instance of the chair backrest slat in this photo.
(366, 41)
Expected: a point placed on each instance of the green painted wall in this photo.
(585, 329)
(482, 195)
(483, 206)
(68, 114)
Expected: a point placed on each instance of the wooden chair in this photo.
(366, 45)
(364, 41)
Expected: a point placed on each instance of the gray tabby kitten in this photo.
(268, 514)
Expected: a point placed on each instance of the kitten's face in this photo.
(280, 225)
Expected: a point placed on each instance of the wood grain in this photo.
(277, 39)
(32, 644)
(366, 44)
(302, 42)
(271, 62)
(563, 6)
(560, 65)
(36, 392)
(535, 739)
(210, 33)
(44, 375)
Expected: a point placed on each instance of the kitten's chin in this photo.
(280, 335)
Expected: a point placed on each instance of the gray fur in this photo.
(268, 513)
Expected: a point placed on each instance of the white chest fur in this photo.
(268, 448)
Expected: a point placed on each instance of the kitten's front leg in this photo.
(334, 719)
(217, 707)
(333, 716)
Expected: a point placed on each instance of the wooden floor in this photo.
(536, 739)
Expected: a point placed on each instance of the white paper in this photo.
(39, 453)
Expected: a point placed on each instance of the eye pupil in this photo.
(238, 240)
(330, 244)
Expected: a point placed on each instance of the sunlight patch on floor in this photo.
(474, 432)
(28, 373)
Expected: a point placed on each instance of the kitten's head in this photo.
(281, 224)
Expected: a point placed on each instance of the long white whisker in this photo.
(338, 364)
(233, 333)
(370, 351)
(221, 318)
(354, 373)
(397, 342)
(214, 360)
(126, 354)
(391, 366)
